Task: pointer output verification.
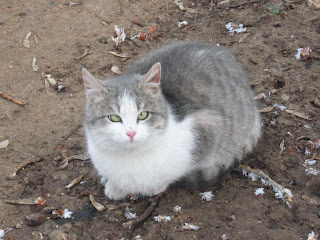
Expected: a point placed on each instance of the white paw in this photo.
(112, 192)
(157, 190)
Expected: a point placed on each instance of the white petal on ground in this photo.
(207, 196)
(128, 214)
(312, 236)
(67, 213)
(161, 218)
(259, 191)
(1, 234)
(177, 209)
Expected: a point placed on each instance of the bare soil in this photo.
(50, 123)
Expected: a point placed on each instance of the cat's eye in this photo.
(114, 118)
(143, 115)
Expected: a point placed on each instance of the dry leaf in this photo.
(316, 102)
(35, 39)
(223, 2)
(260, 96)
(97, 205)
(314, 4)
(26, 42)
(27, 201)
(191, 10)
(285, 97)
(297, 114)
(75, 181)
(4, 144)
(116, 70)
(266, 110)
(82, 157)
(50, 80)
(121, 55)
(282, 148)
(34, 66)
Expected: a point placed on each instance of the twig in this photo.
(75, 181)
(5, 96)
(22, 165)
(167, 4)
(242, 4)
(5, 192)
(312, 19)
(72, 132)
(121, 7)
(293, 1)
(143, 217)
(86, 52)
(268, 181)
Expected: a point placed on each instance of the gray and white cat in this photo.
(183, 113)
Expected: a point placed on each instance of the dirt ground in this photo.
(49, 126)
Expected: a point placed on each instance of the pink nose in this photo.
(131, 135)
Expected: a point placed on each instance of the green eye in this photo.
(143, 115)
(114, 118)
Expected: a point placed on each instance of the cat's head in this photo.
(127, 111)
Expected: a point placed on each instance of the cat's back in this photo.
(197, 75)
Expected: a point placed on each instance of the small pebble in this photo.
(103, 40)
(35, 219)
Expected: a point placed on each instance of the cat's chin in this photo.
(130, 145)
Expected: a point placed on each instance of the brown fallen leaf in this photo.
(191, 10)
(35, 39)
(314, 4)
(26, 42)
(298, 114)
(316, 102)
(26, 201)
(266, 110)
(260, 96)
(121, 55)
(97, 205)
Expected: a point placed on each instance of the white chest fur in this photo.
(150, 171)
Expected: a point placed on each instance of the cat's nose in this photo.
(131, 135)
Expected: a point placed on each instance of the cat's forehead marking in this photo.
(127, 103)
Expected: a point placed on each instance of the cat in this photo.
(184, 113)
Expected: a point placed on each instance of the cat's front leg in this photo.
(113, 192)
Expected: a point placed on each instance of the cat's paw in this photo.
(157, 190)
(113, 193)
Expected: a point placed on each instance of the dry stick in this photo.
(5, 192)
(72, 132)
(264, 176)
(75, 181)
(143, 217)
(242, 4)
(24, 164)
(167, 4)
(5, 96)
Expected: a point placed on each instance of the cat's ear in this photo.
(92, 85)
(151, 81)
